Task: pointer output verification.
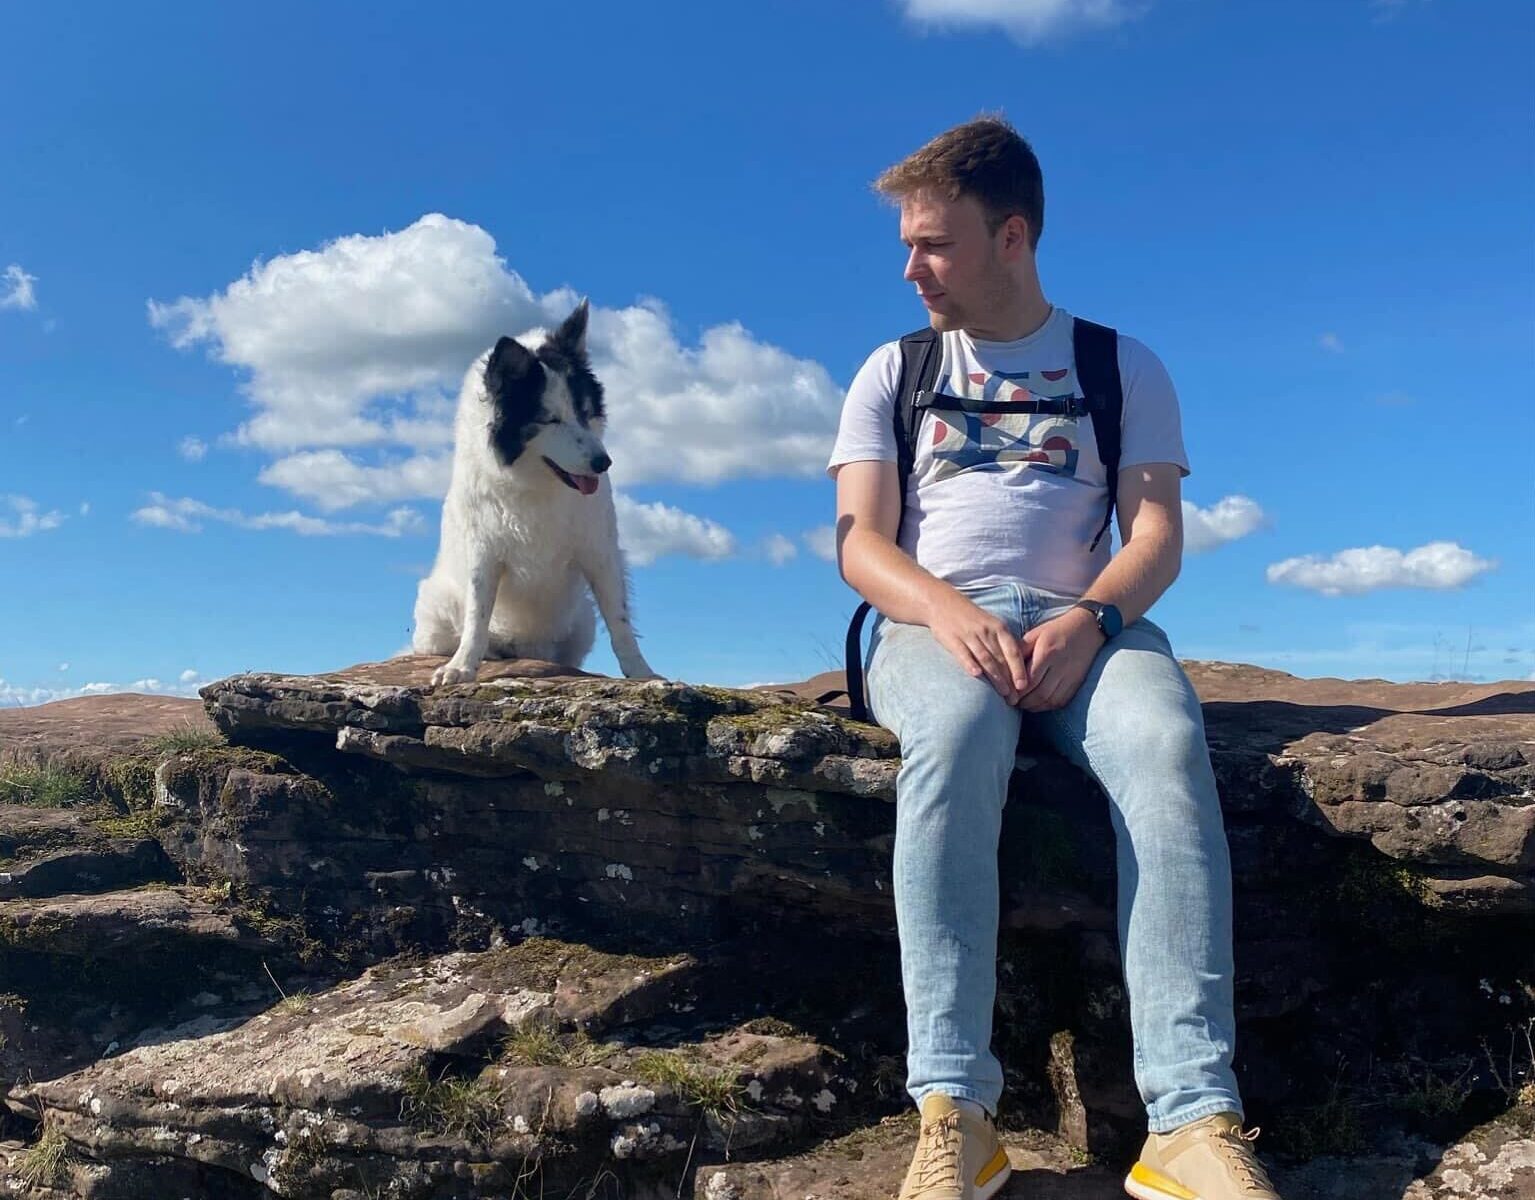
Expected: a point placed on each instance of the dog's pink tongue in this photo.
(585, 484)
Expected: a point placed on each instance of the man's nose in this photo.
(601, 463)
(916, 266)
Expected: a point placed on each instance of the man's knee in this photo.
(1154, 743)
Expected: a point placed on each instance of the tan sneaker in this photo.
(958, 1155)
(1210, 1159)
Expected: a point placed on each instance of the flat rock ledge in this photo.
(348, 936)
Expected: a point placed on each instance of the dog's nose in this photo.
(601, 463)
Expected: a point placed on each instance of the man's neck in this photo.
(1027, 317)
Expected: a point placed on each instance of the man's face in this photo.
(957, 265)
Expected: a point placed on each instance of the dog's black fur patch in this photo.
(514, 380)
(565, 352)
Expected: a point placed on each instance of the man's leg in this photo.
(958, 742)
(1136, 726)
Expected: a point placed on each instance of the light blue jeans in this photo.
(1135, 726)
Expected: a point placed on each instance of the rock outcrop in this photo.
(560, 935)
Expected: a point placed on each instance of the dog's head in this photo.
(548, 406)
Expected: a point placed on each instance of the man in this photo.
(978, 586)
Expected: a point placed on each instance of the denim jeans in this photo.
(1134, 726)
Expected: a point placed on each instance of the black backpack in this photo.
(1096, 350)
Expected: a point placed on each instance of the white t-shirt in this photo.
(1003, 498)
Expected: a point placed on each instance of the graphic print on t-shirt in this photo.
(996, 441)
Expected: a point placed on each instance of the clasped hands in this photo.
(1038, 672)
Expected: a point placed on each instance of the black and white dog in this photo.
(528, 524)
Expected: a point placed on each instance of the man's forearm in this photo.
(1136, 577)
(892, 582)
(889, 579)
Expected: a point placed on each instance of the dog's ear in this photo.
(509, 364)
(572, 333)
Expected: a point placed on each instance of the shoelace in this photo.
(941, 1143)
(1236, 1147)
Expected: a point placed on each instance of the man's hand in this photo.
(982, 644)
(1060, 652)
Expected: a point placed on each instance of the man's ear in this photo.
(1015, 233)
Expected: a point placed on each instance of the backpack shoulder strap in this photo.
(920, 360)
(921, 355)
(1096, 348)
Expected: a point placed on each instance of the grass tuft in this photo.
(717, 1092)
(42, 787)
(189, 735)
(466, 1108)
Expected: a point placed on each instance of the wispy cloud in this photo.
(1027, 21)
(779, 549)
(1435, 566)
(1331, 342)
(25, 518)
(1390, 10)
(1226, 520)
(16, 288)
(192, 448)
(187, 516)
(821, 541)
(14, 695)
(650, 531)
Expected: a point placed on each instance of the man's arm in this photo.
(868, 521)
(1151, 529)
(1061, 651)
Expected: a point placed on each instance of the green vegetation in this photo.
(466, 1108)
(46, 1160)
(716, 1091)
(537, 1045)
(188, 735)
(46, 786)
(1333, 1127)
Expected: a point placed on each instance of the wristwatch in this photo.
(1107, 616)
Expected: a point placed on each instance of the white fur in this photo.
(522, 553)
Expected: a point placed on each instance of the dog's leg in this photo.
(605, 572)
(479, 598)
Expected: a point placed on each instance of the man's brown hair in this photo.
(986, 159)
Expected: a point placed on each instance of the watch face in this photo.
(1110, 621)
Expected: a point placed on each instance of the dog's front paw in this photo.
(454, 672)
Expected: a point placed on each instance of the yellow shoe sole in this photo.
(993, 1175)
(1144, 1183)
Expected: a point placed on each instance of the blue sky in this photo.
(246, 253)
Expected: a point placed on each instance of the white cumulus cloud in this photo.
(649, 531)
(332, 480)
(351, 355)
(1226, 520)
(186, 515)
(25, 518)
(1434, 566)
(1028, 21)
(16, 288)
